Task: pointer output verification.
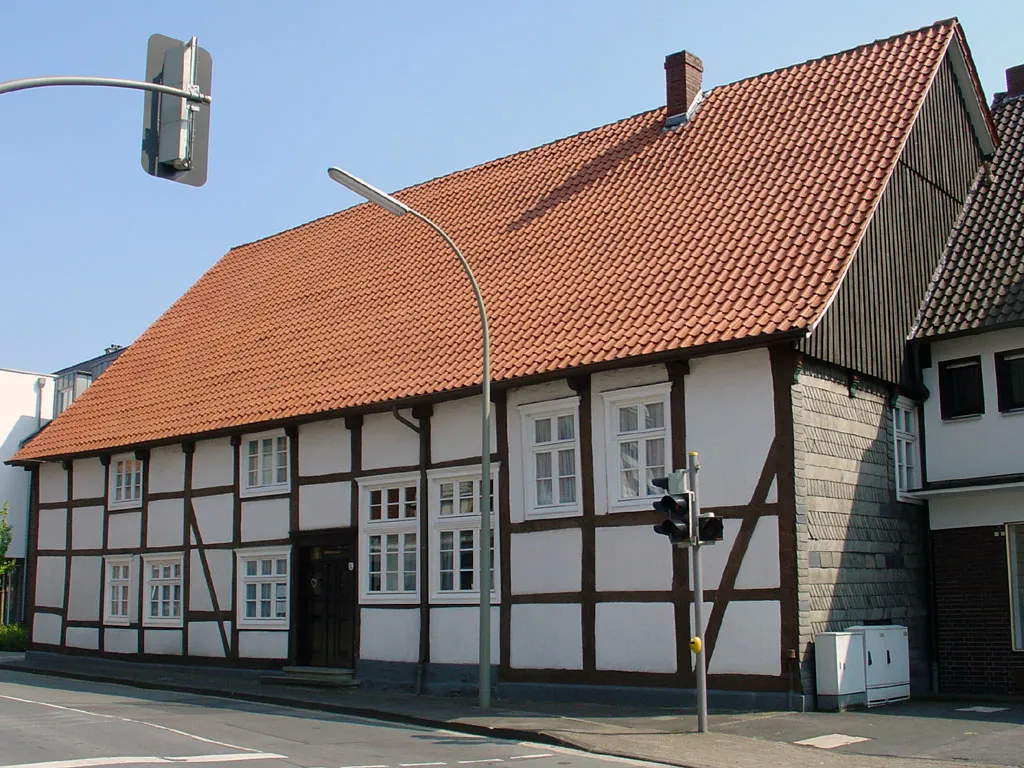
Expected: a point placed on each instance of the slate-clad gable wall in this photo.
(866, 328)
(861, 555)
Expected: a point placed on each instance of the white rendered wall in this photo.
(262, 644)
(88, 479)
(970, 509)
(213, 463)
(220, 562)
(455, 430)
(215, 517)
(163, 641)
(204, 639)
(123, 530)
(118, 640)
(87, 528)
(974, 446)
(325, 505)
(554, 390)
(53, 531)
(632, 557)
(83, 637)
(387, 442)
(46, 628)
(730, 422)
(325, 448)
(53, 483)
(635, 637)
(389, 634)
(548, 561)
(760, 566)
(19, 397)
(84, 592)
(749, 641)
(166, 469)
(166, 518)
(455, 635)
(50, 582)
(264, 519)
(546, 636)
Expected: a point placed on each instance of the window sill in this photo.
(395, 598)
(116, 621)
(1013, 412)
(278, 625)
(638, 505)
(545, 513)
(965, 417)
(149, 623)
(264, 490)
(459, 598)
(132, 504)
(905, 497)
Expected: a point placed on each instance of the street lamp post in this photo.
(398, 208)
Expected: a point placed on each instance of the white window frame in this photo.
(135, 466)
(246, 488)
(619, 398)
(161, 560)
(274, 555)
(528, 416)
(402, 527)
(455, 523)
(904, 442)
(109, 563)
(1015, 584)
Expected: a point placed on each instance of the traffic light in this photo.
(710, 528)
(676, 505)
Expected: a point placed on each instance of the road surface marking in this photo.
(831, 741)
(418, 765)
(983, 710)
(95, 762)
(485, 760)
(363, 766)
(456, 733)
(531, 757)
(129, 720)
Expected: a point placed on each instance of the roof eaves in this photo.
(973, 95)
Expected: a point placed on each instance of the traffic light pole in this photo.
(698, 596)
(107, 82)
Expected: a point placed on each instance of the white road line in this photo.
(531, 757)
(95, 762)
(358, 766)
(456, 733)
(129, 720)
(485, 760)
(418, 765)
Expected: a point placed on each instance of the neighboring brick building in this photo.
(971, 339)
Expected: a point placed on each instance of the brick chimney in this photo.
(1014, 81)
(683, 72)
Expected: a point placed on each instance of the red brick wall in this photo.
(972, 598)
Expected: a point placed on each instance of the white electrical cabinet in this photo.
(886, 663)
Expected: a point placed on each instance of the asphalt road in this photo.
(48, 723)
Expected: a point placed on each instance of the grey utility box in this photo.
(867, 665)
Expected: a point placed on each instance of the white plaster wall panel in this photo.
(220, 561)
(760, 566)
(166, 469)
(713, 557)
(166, 518)
(548, 561)
(83, 637)
(635, 637)
(50, 582)
(213, 463)
(204, 639)
(46, 628)
(325, 505)
(730, 422)
(455, 430)
(389, 634)
(608, 381)
(387, 442)
(750, 640)
(971, 509)
(53, 529)
(265, 519)
(552, 390)
(975, 446)
(84, 595)
(87, 481)
(325, 448)
(118, 640)
(22, 394)
(455, 635)
(53, 483)
(124, 530)
(632, 557)
(215, 517)
(163, 641)
(546, 636)
(262, 644)
(87, 528)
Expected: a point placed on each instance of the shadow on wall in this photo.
(864, 558)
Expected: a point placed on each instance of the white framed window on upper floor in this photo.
(125, 481)
(118, 600)
(163, 591)
(265, 464)
(906, 448)
(637, 444)
(264, 587)
(551, 453)
(454, 504)
(389, 511)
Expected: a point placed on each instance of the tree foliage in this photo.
(6, 565)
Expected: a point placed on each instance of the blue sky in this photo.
(92, 250)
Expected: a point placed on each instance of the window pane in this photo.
(543, 464)
(266, 567)
(266, 461)
(629, 454)
(629, 420)
(410, 501)
(960, 389)
(544, 493)
(375, 505)
(566, 427)
(447, 507)
(282, 460)
(542, 431)
(466, 502)
(630, 485)
(654, 415)
(394, 503)
(281, 567)
(567, 476)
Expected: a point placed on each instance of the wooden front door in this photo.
(327, 603)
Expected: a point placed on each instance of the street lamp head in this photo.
(370, 192)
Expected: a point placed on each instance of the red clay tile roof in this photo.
(618, 242)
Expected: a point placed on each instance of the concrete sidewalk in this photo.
(653, 734)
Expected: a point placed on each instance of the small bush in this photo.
(13, 637)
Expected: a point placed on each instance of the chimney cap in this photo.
(1015, 81)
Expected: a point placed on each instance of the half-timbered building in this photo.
(284, 468)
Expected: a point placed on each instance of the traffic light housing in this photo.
(710, 528)
(676, 505)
